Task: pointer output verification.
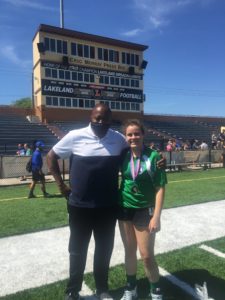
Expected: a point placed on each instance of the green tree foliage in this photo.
(23, 103)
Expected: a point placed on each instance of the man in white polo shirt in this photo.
(95, 154)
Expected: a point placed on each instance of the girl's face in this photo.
(134, 136)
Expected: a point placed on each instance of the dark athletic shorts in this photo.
(36, 176)
(138, 216)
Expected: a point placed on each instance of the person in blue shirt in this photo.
(37, 174)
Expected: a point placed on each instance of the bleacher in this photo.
(15, 129)
(184, 130)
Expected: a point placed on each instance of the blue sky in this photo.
(186, 56)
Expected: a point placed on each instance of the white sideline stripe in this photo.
(212, 250)
(11, 199)
(25, 197)
(86, 291)
(181, 284)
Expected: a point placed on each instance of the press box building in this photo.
(72, 71)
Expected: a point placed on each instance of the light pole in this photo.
(61, 14)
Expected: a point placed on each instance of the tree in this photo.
(23, 103)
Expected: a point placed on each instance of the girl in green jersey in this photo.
(141, 200)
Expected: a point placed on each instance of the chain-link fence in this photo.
(15, 166)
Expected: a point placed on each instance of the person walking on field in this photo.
(37, 173)
(141, 201)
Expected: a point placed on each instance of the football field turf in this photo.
(180, 268)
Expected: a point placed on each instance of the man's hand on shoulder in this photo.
(161, 164)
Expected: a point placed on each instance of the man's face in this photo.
(101, 115)
(100, 121)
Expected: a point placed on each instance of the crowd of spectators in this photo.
(24, 150)
(217, 143)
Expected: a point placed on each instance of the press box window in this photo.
(112, 80)
(92, 78)
(52, 45)
(80, 50)
(55, 101)
(47, 72)
(47, 44)
(74, 102)
(100, 54)
(86, 77)
(127, 106)
(80, 77)
(64, 47)
(118, 105)
(67, 75)
(68, 102)
(61, 74)
(81, 103)
(92, 52)
(86, 51)
(54, 73)
(123, 107)
(59, 46)
(62, 102)
(74, 76)
(133, 107)
(48, 100)
(73, 49)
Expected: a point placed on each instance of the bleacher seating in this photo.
(15, 129)
(182, 130)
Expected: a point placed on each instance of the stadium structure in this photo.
(72, 71)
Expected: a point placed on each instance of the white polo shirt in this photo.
(94, 166)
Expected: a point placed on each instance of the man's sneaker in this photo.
(156, 294)
(130, 295)
(104, 296)
(72, 296)
(46, 195)
(31, 195)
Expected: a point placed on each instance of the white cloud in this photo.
(157, 14)
(9, 53)
(30, 4)
(131, 33)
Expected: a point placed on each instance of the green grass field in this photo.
(19, 215)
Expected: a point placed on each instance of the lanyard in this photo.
(134, 169)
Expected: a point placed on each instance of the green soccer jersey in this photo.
(140, 192)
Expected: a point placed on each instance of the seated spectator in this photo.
(214, 140)
(186, 146)
(169, 146)
(28, 150)
(20, 150)
(195, 145)
(204, 146)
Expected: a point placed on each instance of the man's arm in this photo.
(52, 162)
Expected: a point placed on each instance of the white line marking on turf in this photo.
(181, 284)
(86, 291)
(212, 250)
(188, 180)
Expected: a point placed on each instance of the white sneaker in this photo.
(130, 295)
(105, 296)
(157, 296)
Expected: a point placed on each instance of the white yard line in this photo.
(212, 250)
(37, 259)
(181, 284)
